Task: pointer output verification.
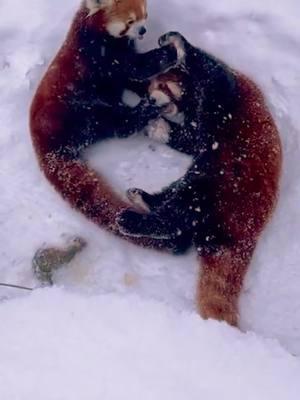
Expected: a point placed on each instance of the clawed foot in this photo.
(131, 223)
(146, 201)
(136, 197)
(177, 40)
(128, 222)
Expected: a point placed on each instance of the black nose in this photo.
(142, 31)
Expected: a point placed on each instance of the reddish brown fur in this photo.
(73, 178)
(122, 10)
(246, 192)
(47, 117)
(252, 151)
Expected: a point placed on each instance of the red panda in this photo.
(227, 196)
(79, 102)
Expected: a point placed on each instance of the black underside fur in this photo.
(185, 211)
(96, 107)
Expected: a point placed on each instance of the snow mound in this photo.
(63, 346)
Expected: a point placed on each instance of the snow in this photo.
(123, 322)
(116, 347)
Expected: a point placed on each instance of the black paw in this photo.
(148, 202)
(180, 244)
(169, 37)
(138, 198)
(131, 223)
(175, 39)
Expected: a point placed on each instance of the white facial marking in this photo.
(94, 6)
(176, 118)
(175, 89)
(115, 28)
(171, 109)
(133, 31)
(160, 97)
(132, 16)
(172, 114)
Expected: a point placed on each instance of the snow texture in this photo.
(66, 346)
(123, 324)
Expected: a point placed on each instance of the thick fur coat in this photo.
(228, 194)
(79, 101)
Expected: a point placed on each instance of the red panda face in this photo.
(166, 88)
(122, 17)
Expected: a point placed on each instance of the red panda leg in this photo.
(220, 283)
(90, 194)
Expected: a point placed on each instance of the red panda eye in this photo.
(130, 22)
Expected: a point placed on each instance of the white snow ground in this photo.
(123, 323)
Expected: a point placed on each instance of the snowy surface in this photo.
(74, 347)
(123, 323)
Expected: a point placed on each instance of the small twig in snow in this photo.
(15, 286)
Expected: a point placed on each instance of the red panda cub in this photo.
(79, 101)
(227, 196)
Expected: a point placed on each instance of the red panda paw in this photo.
(135, 224)
(177, 40)
(135, 196)
(158, 130)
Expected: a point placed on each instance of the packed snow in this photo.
(66, 346)
(121, 321)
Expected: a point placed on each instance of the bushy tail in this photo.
(90, 194)
(221, 279)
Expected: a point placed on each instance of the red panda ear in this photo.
(96, 5)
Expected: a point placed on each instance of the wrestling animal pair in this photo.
(210, 111)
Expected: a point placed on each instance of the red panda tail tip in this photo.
(218, 297)
(221, 281)
(219, 311)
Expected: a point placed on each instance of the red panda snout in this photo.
(137, 30)
(132, 29)
(165, 91)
